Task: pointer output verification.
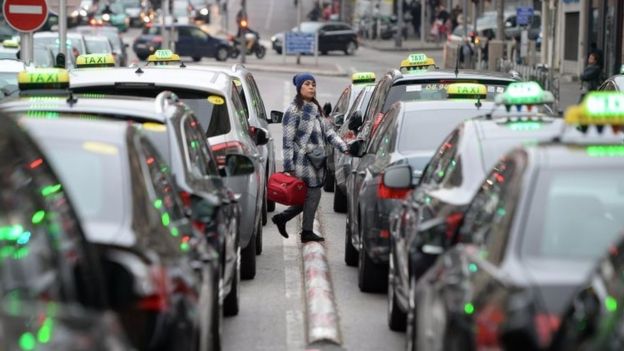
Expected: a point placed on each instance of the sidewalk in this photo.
(407, 45)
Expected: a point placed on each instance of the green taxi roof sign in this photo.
(95, 60)
(43, 78)
(598, 108)
(363, 77)
(466, 91)
(524, 93)
(163, 55)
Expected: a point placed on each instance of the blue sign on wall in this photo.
(299, 43)
(524, 16)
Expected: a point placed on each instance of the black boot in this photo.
(281, 224)
(308, 235)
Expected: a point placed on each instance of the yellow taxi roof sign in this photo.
(598, 108)
(417, 62)
(163, 56)
(43, 78)
(10, 44)
(363, 77)
(95, 60)
(466, 91)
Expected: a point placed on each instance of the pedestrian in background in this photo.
(590, 79)
(306, 131)
(415, 11)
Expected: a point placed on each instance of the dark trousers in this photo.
(313, 197)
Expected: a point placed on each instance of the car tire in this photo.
(396, 317)
(248, 260)
(261, 52)
(372, 277)
(222, 54)
(328, 186)
(350, 48)
(196, 58)
(231, 301)
(235, 52)
(340, 200)
(351, 254)
(259, 239)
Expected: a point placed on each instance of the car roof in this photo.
(7, 65)
(450, 75)
(72, 129)
(165, 76)
(107, 105)
(497, 127)
(449, 104)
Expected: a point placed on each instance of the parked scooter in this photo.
(252, 44)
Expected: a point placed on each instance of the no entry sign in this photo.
(25, 15)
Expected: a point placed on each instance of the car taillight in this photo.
(383, 192)
(546, 325)
(158, 300)
(186, 199)
(452, 223)
(223, 149)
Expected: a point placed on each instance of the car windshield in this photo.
(575, 213)
(95, 185)
(423, 130)
(98, 47)
(42, 56)
(431, 91)
(54, 41)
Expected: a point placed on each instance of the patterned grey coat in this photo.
(305, 129)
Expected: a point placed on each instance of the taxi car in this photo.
(9, 50)
(359, 81)
(213, 98)
(538, 223)
(407, 136)
(141, 229)
(75, 41)
(40, 233)
(451, 179)
(112, 33)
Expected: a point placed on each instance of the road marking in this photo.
(26, 9)
(295, 337)
(269, 18)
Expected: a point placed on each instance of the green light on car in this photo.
(185, 246)
(51, 189)
(501, 212)
(6, 252)
(24, 238)
(165, 219)
(611, 304)
(158, 203)
(175, 231)
(42, 114)
(605, 150)
(472, 267)
(27, 341)
(525, 126)
(45, 332)
(469, 308)
(38, 217)
(21, 253)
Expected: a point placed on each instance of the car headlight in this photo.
(204, 11)
(83, 13)
(75, 13)
(146, 19)
(106, 17)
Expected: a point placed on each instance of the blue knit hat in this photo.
(300, 78)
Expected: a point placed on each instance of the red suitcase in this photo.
(286, 189)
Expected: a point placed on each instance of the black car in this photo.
(163, 272)
(65, 295)
(332, 36)
(192, 42)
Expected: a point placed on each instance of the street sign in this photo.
(299, 43)
(25, 15)
(524, 16)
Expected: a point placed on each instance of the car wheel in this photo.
(222, 54)
(248, 260)
(235, 52)
(340, 200)
(372, 277)
(196, 58)
(259, 239)
(351, 254)
(231, 301)
(412, 326)
(350, 48)
(396, 317)
(260, 52)
(329, 181)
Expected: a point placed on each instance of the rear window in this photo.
(575, 213)
(429, 91)
(425, 130)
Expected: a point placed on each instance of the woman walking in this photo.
(306, 131)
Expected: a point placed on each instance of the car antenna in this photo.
(478, 104)
(138, 71)
(182, 65)
(71, 100)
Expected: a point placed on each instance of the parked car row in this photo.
(481, 212)
(134, 200)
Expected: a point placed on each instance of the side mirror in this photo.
(276, 117)
(237, 165)
(339, 120)
(398, 177)
(327, 108)
(356, 121)
(259, 135)
(357, 148)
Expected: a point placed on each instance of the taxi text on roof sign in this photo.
(163, 56)
(363, 77)
(95, 60)
(417, 58)
(466, 91)
(46, 78)
(524, 93)
(598, 108)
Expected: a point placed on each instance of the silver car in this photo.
(214, 99)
